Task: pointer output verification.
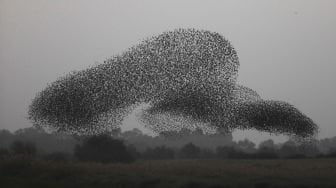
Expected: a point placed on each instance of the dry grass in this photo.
(171, 173)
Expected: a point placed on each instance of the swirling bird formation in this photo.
(184, 73)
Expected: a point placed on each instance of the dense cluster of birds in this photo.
(185, 74)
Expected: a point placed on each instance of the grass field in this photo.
(170, 173)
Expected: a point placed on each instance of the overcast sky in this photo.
(287, 48)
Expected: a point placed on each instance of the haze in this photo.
(286, 48)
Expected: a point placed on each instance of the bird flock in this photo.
(187, 75)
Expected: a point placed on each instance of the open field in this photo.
(170, 173)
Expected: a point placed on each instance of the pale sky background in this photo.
(287, 48)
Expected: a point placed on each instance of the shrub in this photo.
(266, 153)
(4, 152)
(104, 149)
(57, 157)
(232, 153)
(23, 148)
(190, 151)
(223, 151)
(207, 153)
(161, 152)
(133, 151)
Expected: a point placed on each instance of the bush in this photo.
(57, 157)
(223, 152)
(4, 152)
(232, 153)
(332, 154)
(266, 153)
(131, 149)
(161, 152)
(104, 149)
(207, 153)
(190, 151)
(297, 156)
(23, 148)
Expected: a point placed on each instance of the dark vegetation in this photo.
(34, 158)
(306, 173)
(103, 149)
(133, 145)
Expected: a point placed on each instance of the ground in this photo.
(170, 173)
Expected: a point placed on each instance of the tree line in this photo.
(134, 145)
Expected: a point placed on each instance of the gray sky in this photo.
(286, 47)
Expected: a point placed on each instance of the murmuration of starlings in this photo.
(185, 74)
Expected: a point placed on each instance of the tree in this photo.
(4, 152)
(23, 148)
(207, 153)
(267, 150)
(267, 144)
(57, 157)
(266, 153)
(309, 149)
(231, 153)
(131, 149)
(161, 152)
(224, 152)
(289, 150)
(246, 146)
(104, 149)
(190, 151)
(135, 132)
(6, 138)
